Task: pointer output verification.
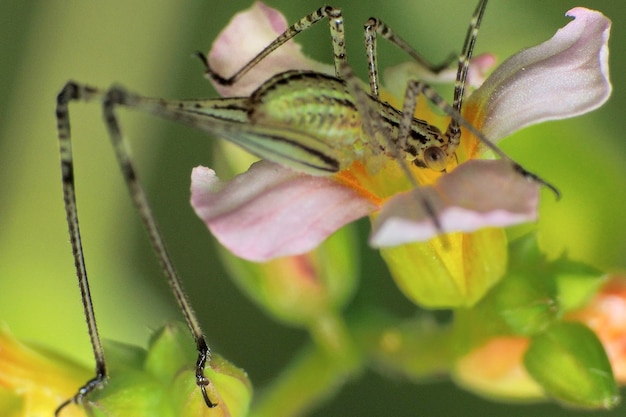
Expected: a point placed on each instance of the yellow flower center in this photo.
(381, 178)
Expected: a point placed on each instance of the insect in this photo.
(267, 124)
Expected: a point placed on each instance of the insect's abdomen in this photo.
(314, 103)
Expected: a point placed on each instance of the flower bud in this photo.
(495, 370)
(158, 382)
(570, 364)
(162, 381)
(299, 289)
(605, 314)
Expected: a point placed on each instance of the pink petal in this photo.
(271, 211)
(563, 77)
(397, 77)
(245, 36)
(478, 194)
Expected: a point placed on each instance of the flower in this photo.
(272, 211)
(33, 381)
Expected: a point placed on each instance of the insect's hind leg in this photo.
(110, 99)
(71, 92)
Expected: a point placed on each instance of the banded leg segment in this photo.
(374, 27)
(335, 19)
(377, 130)
(75, 92)
(454, 131)
(69, 93)
(415, 88)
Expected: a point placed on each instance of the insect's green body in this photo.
(306, 120)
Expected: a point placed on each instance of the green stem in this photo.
(330, 333)
(419, 349)
(312, 377)
(316, 373)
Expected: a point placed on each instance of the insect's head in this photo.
(427, 149)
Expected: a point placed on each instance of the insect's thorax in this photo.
(321, 106)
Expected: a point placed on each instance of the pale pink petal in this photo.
(397, 77)
(563, 77)
(478, 194)
(245, 36)
(271, 211)
(478, 69)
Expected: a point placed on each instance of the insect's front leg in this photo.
(463, 67)
(415, 88)
(374, 27)
(335, 19)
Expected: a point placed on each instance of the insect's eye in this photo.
(435, 158)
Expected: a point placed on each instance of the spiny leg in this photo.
(70, 93)
(75, 92)
(333, 15)
(374, 27)
(415, 88)
(454, 132)
(114, 97)
(373, 124)
(377, 130)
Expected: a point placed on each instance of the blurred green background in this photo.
(146, 46)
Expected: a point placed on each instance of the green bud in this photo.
(299, 289)
(570, 364)
(577, 283)
(161, 381)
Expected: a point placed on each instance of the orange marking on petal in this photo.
(471, 147)
(352, 177)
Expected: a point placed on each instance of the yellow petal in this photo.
(455, 272)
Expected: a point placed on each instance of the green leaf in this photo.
(577, 282)
(527, 303)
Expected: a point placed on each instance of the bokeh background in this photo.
(146, 46)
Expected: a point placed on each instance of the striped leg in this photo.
(75, 92)
(374, 27)
(454, 132)
(335, 20)
(415, 88)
